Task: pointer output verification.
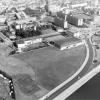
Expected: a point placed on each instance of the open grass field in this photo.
(51, 67)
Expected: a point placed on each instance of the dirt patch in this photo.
(26, 84)
(47, 78)
(4, 89)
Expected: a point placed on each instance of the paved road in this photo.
(89, 91)
(83, 72)
(47, 64)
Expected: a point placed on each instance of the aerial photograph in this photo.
(49, 49)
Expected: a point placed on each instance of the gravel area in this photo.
(26, 84)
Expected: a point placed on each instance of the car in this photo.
(95, 61)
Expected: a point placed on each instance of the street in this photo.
(89, 91)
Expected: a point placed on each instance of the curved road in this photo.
(83, 72)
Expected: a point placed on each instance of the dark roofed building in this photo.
(62, 42)
(32, 12)
(29, 11)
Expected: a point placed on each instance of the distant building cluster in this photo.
(61, 24)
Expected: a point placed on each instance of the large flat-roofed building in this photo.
(32, 42)
(78, 19)
(63, 42)
(75, 20)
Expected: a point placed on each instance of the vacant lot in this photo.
(52, 66)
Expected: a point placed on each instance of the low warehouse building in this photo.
(63, 42)
(78, 19)
(28, 43)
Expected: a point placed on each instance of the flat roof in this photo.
(82, 16)
(63, 40)
(49, 32)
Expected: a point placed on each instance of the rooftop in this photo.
(63, 40)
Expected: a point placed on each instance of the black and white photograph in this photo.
(49, 49)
